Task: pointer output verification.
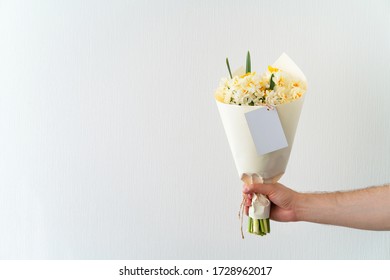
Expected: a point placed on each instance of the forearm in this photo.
(364, 209)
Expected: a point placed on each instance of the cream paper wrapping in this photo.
(267, 168)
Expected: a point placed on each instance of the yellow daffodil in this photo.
(272, 69)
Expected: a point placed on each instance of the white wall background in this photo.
(111, 145)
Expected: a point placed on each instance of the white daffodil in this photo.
(254, 89)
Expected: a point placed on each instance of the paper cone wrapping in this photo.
(271, 166)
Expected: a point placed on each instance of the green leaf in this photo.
(271, 83)
(248, 62)
(228, 66)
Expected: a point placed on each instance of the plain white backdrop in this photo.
(111, 146)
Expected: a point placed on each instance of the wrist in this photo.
(317, 207)
(301, 207)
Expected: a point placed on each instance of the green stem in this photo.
(256, 226)
(250, 222)
(262, 225)
(259, 226)
(228, 66)
(268, 225)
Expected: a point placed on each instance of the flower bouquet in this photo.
(260, 114)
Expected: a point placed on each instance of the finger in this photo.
(248, 202)
(247, 210)
(265, 189)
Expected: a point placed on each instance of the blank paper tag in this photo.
(266, 129)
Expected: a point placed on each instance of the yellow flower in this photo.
(219, 97)
(272, 69)
(248, 74)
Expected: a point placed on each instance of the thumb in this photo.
(265, 189)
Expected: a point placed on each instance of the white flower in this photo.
(253, 89)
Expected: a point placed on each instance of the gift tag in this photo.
(266, 130)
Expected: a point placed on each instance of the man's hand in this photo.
(284, 200)
(363, 209)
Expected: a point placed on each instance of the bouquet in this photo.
(260, 114)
